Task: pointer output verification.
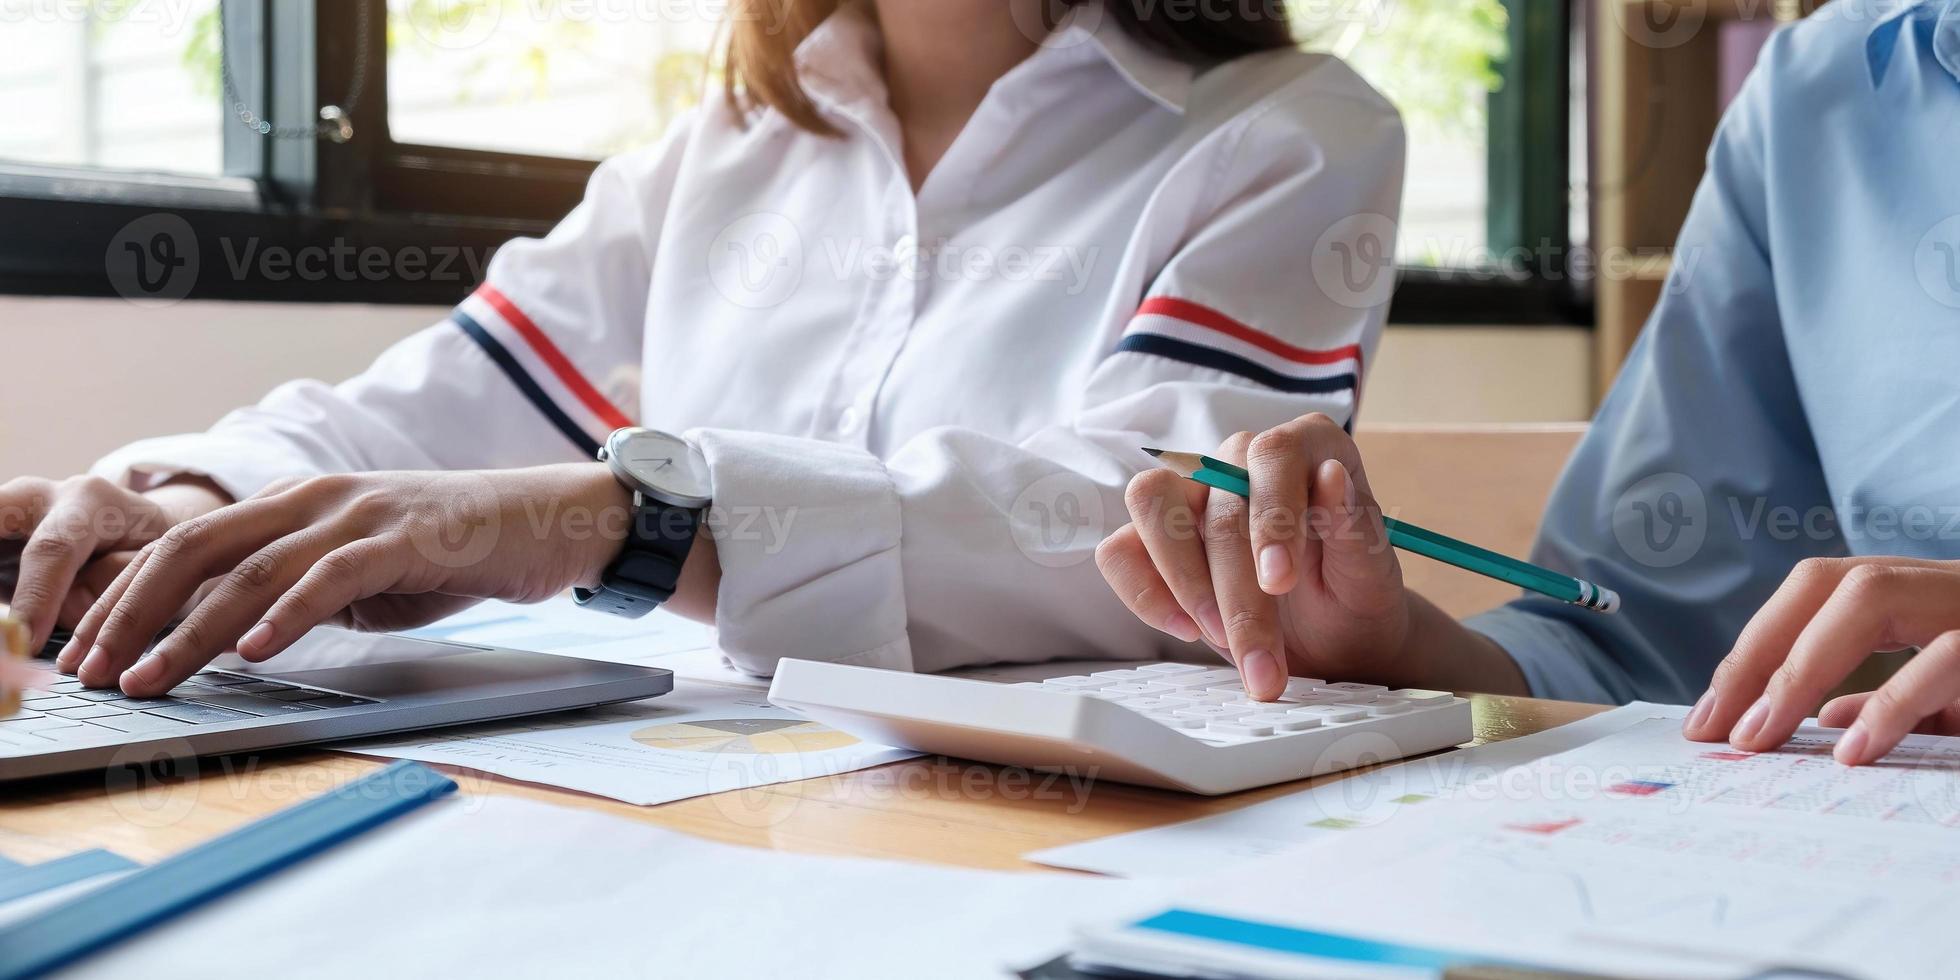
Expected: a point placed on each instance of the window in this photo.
(1437, 61)
(122, 86)
(460, 123)
(575, 80)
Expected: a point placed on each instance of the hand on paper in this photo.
(1826, 619)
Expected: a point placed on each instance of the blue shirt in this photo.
(1797, 391)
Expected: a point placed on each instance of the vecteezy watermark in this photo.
(759, 260)
(1662, 23)
(153, 261)
(1936, 262)
(165, 18)
(157, 260)
(344, 261)
(1353, 262)
(1058, 520)
(1661, 521)
(1664, 520)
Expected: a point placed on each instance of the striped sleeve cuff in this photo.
(1195, 334)
(539, 369)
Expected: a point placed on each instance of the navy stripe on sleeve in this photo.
(1211, 357)
(528, 387)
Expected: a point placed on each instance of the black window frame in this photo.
(455, 206)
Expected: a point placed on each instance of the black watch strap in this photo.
(648, 568)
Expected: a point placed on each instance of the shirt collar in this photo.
(838, 62)
(1164, 79)
(1939, 20)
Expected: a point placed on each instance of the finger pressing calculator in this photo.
(1170, 725)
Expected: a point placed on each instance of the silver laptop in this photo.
(332, 684)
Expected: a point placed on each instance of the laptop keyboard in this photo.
(62, 710)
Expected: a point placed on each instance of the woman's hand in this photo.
(1827, 618)
(1298, 580)
(62, 543)
(372, 551)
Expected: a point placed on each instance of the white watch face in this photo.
(665, 466)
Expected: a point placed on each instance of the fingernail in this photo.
(1851, 747)
(1751, 723)
(1261, 673)
(1274, 565)
(258, 636)
(143, 671)
(1703, 705)
(96, 657)
(70, 655)
(1213, 623)
(1349, 498)
(1181, 626)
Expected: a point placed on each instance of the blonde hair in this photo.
(759, 58)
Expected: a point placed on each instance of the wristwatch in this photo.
(671, 491)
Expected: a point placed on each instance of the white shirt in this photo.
(920, 410)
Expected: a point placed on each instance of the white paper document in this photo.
(496, 887)
(1640, 854)
(1210, 844)
(702, 738)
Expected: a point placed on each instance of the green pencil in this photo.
(1408, 537)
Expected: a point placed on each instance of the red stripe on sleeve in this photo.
(554, 358)
(1210, 319)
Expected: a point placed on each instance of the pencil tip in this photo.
(1153, 452)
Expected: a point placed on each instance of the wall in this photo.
(84, 376)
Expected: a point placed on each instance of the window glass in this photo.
(563, 78)
(124, 84)
(1437, 61)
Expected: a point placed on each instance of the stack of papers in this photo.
(506, 887)
(1640, 854)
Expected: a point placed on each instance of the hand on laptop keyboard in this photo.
(372, 550)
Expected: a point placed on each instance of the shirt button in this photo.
(848, 421)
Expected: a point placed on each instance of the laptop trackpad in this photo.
(386, 666)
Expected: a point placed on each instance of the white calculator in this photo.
(1170, 725)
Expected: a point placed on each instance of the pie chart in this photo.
(749, 736)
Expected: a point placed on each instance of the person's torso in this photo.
(1864, 225)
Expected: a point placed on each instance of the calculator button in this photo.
(1290, 722)
(1238, 726)
(1423, 697)
(1322, 697)
(1302, 685)
(1381, 709)
(1174, 721)
(1075, 682)
(1330, 713)
(1118, 676)
(1203, 697)
(1166, 669)
(1151, 704)
(1203, 678)
(1210, 711)
(1137, 690)
(1353, 688)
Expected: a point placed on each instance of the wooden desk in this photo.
(931, 810)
